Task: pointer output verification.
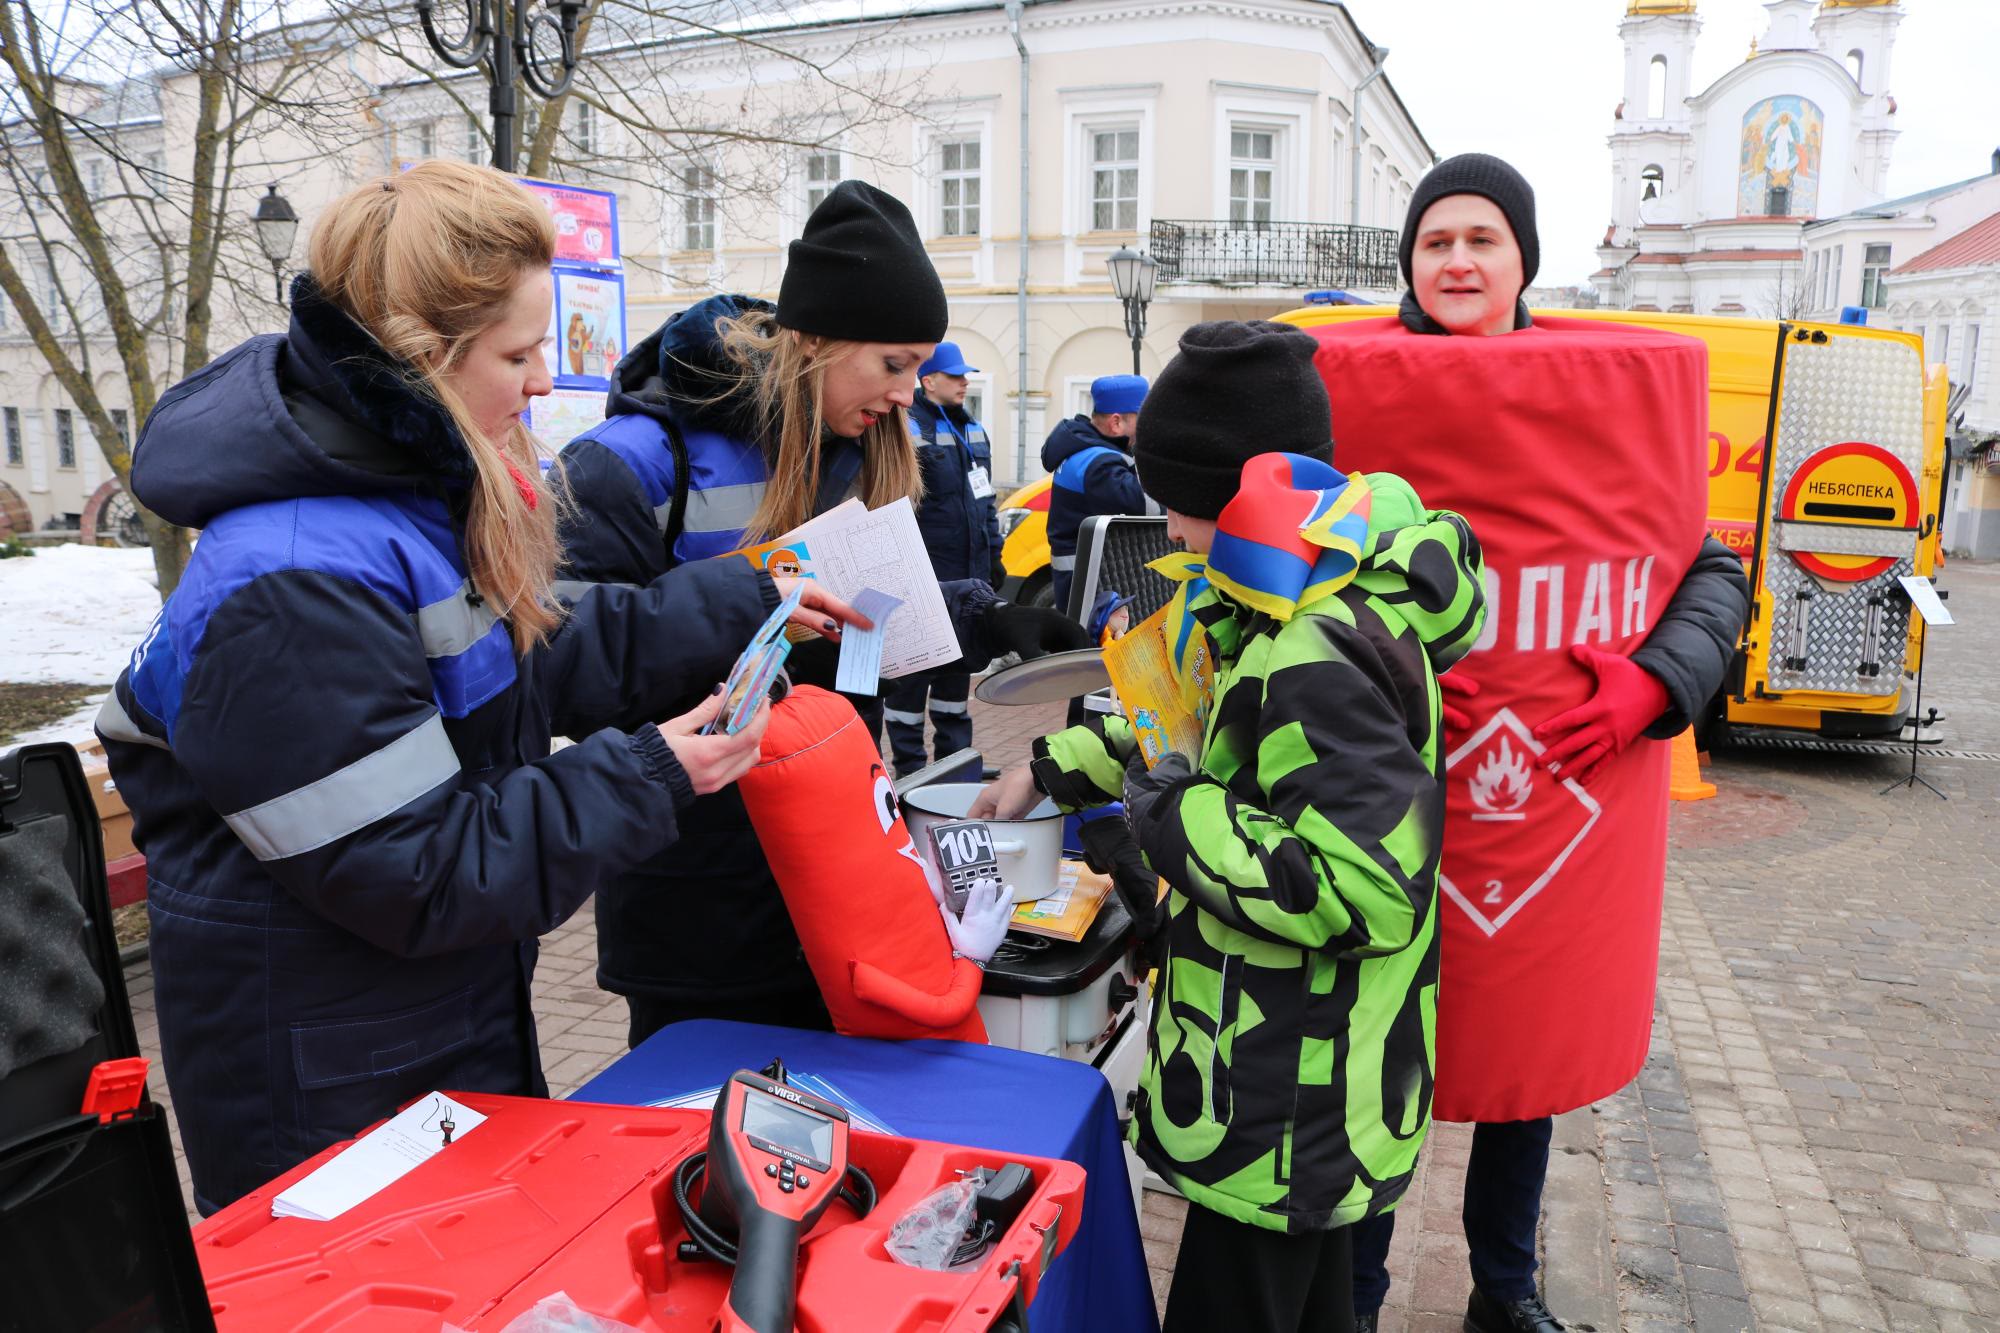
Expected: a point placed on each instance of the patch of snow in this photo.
(74, 613)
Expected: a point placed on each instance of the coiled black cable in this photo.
(857, 1191)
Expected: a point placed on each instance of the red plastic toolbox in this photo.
(577, 1197)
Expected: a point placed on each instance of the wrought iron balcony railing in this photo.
(1303, 255)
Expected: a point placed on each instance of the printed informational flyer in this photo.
(1142, 673)
(590, 327)
(561, 416)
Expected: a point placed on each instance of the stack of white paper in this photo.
(377, 1159)
(854, 548)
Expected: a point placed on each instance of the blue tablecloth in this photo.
(981, 1096)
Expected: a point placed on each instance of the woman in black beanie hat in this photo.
(1469, 249)
(732, 424)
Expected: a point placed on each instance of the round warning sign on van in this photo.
(1847, 487)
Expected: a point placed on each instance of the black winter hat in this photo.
(1237, 389)
(859, 272)
(1490, 178)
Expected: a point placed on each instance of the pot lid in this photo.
(1056, 678)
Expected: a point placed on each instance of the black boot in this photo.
(1483, 1314)
(1365, 1323)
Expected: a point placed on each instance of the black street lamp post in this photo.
(277, 224)
(506, 44)
(1132, 277)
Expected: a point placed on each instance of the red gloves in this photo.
(1454, 685)
(1629, 699)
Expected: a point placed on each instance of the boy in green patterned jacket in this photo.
(1287, 1085)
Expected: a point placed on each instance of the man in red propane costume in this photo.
(1574, 449)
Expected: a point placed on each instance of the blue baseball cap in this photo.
(946, 360)
(1117, 393)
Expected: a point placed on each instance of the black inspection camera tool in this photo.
(776, 1158)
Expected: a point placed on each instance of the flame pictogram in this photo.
(1503, 782)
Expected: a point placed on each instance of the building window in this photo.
(1114, 179)
(475, 142)
(93, 177)
(1652, 183)
(697, 181)
(1874, 267)
(1253, 158)
(65, 438)
(123, 421)
(583, 128)
(52, 307)
(1944, 347)
(1833, 289)
(958, 187)
(1656, 89)
(1856, 64)
(1778, 201)
(13, 416)
(425, 138)
(822, 174)
(155, 172)
(1971, 355)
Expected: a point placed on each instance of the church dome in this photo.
(1856, 4)
(1647, 8)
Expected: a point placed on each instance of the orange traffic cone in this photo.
(1686, 784)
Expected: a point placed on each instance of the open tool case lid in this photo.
(91, 1218)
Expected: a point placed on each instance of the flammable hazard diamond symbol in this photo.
(1503, 786)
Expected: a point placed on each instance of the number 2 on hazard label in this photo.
(1493, 891)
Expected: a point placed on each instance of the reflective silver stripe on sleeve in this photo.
(450, 626)
(716, 509)
(948, 707)
(1066, 563)
(113, 721)
(1154, 509)
(351, 799)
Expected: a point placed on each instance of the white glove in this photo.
(976, 933)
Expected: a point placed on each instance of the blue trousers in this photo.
(904, 703)
(1503, 1201)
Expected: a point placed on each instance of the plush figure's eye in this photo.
(885, 800)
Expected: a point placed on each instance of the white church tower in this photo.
(1710, 189)
(1861, 34)
(1652, 145)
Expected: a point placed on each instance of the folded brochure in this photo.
(1142, 672)
(378, 1159)
(1069, 912)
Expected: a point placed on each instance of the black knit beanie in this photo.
(1490, 178)
(859, 272)
(1237, 389)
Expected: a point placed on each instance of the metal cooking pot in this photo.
(1029, 849)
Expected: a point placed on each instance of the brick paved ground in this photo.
(1815, 1142)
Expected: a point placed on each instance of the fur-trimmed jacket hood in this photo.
(321, 409)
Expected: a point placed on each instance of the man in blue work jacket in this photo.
(1090, 459)
(961, 527)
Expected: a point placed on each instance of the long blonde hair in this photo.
(426, 260)
(788, 377)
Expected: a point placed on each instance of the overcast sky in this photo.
(1535, 82)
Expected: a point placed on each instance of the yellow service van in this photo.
(1826, 522)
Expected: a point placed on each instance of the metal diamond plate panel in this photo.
(1828, 539)
(1842, 637)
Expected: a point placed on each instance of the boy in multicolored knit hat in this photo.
(1288, 1081)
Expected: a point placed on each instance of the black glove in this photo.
(1109, 850)
(1031, 631)
(997, 576)
(1151, 795)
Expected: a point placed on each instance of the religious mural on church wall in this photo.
(1777, 171)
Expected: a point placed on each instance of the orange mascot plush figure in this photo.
(825, 811)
